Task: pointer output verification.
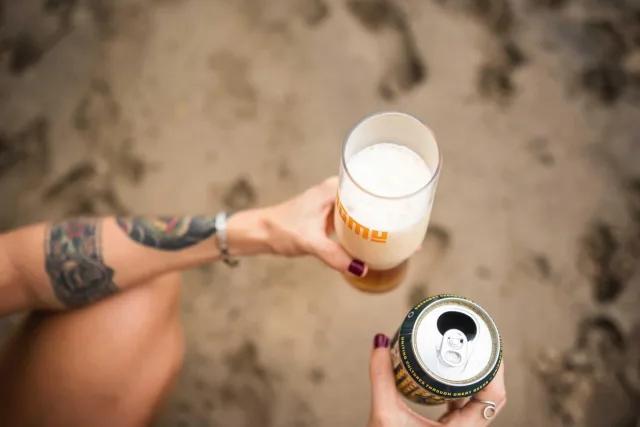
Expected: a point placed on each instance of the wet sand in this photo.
(183, 106)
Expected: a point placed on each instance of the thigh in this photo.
(111, 363)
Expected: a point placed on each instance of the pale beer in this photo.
(389, 171)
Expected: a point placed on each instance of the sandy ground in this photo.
(183, 106)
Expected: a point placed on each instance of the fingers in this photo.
(383, 385)
(330, 185)
(453, 407)
(495, 390)
(457, 404)
(332, 254)
(327, 190)
(387, 409)
(329, 225)
(472, 413)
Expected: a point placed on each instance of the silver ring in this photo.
(490, 407)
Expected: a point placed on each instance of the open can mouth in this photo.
(436, 333)
(446, 348)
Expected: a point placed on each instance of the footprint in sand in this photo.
(405, 69)
(240, 195)
(27, 148)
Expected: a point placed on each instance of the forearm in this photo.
(140, 248)
(79, 261)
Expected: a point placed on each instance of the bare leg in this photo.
(109, 364)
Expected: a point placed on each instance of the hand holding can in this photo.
(389, 410)
(447, 349)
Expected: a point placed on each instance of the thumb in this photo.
(383, 384)
(332, 254)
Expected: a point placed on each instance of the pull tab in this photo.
(454, 348)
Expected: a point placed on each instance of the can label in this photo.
(412, 379)
(408, 386)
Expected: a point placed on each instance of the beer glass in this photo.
(384, 230)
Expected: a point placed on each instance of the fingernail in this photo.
(380, 340)
(357, 268)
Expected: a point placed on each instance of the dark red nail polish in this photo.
(357, 268)
(380, 340)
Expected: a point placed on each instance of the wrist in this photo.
(248, 233)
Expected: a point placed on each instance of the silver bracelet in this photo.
(220, 223)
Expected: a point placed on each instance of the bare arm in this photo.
(82, 260)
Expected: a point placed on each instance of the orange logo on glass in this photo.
(362, 231)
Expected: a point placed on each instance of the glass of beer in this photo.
(388, 176)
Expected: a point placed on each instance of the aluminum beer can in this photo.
(447, 348)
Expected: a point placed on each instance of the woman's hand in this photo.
(389, 410)
(299, 226)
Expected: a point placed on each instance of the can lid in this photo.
(456, 341)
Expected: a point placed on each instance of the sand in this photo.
(184, 106)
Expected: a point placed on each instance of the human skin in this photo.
(103, 343)
(388, 409)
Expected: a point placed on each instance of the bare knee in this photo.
(112, 362)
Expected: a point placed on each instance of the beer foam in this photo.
(386, 170)
(389, 170)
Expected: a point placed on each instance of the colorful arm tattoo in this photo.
(73, 260)
(168, 233)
